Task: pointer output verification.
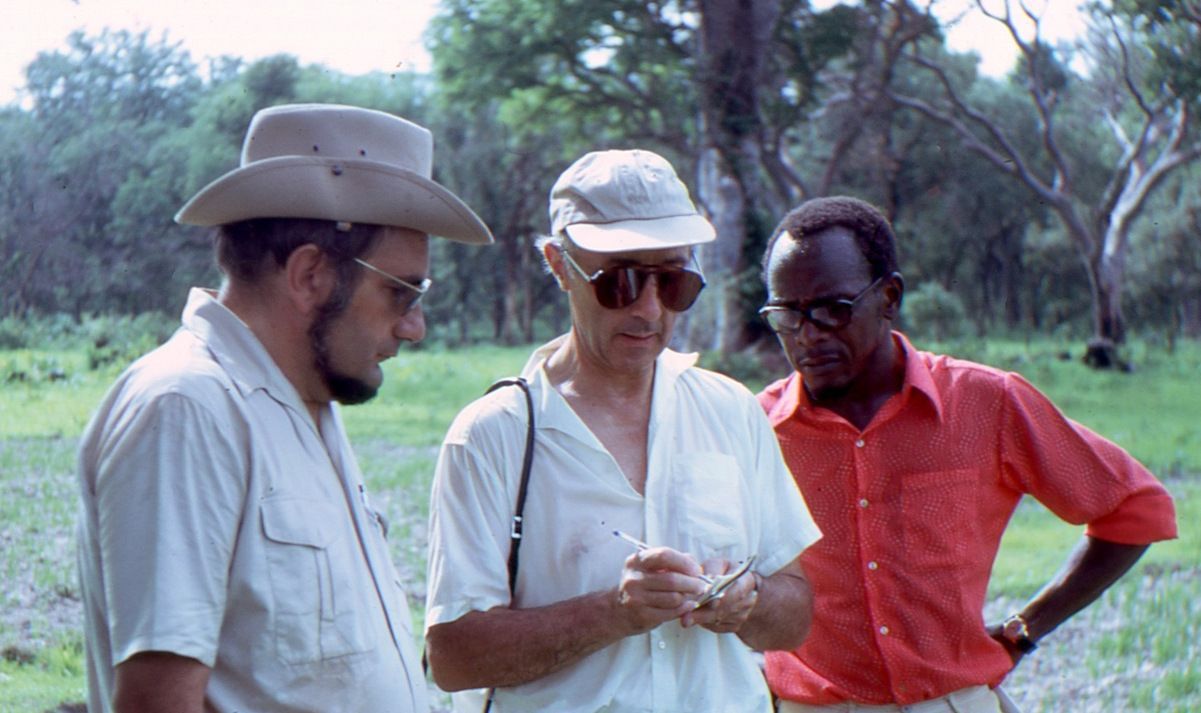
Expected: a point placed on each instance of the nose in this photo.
(648, 306)
(411, 325)
(809, 332)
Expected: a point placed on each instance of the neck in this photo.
(570, 371)
(284, 334)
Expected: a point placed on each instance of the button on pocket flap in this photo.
(299, 521)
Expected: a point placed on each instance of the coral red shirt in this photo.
(912, 510)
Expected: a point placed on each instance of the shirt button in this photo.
(863, 502)
(859, 443)
(662, 645)
(873, 565)
(884, 631)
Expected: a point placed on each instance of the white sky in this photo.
(352, 36)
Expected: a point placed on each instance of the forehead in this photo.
(667, 256)
(401, 251)
(829, 262)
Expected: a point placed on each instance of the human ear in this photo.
(894, 292)
(309, 278)
(554, 258)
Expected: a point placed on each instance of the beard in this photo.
(343, 388)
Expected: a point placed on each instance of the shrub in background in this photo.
(933, 312)
(119, 339)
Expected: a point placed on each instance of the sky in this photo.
(352, 36)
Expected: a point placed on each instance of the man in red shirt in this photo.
(912, 464)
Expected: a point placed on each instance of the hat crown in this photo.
(611, 186)
(333, 131)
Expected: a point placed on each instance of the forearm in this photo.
(1091, 568)
(782, 614)
(159, 682)
(507, 647)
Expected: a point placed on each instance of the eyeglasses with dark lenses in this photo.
(828, 313)
(405, 295)
(621, 286)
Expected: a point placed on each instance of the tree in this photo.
(705, 82)
(1149, 120)
(101, 109)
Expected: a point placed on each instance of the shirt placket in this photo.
(664, 684)
(872, 559)
(366, 530)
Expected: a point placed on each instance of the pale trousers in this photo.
(977, 699)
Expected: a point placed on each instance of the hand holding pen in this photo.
(658, 584)
(718, 618)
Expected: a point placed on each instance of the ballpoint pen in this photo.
(640, 545)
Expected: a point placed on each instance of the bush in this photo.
(119, 339)
(933, 312)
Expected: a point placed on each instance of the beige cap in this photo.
(620, 201)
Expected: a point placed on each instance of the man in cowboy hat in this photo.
(229, 558)
(631, 439)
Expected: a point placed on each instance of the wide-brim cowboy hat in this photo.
(339, 163)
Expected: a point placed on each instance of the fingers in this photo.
(728, 613)
(657, 585)
(660, 559)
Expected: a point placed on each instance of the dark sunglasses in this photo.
(827, 312)
(618, 287)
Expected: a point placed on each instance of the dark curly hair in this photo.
(871, 229)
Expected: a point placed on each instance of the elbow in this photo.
(445, 661)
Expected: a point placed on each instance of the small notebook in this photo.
(719, 585)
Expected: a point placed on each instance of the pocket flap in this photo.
(299, 521)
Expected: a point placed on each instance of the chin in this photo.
(349, 390)
(820, 390)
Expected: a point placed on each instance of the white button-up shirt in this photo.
(716, 487)
(218, 522)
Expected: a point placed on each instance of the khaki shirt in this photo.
(218, 523)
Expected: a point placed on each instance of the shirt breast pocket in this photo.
(710, 517)
(310, 567)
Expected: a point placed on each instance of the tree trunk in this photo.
(1106, 271)
(734, 36)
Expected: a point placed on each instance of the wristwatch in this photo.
(1015, 630)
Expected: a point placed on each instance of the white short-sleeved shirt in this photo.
(219, 523)
(716, 487)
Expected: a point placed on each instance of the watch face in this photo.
(1014, 629)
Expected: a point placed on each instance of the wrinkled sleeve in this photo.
(169, 490)
(471, 509)
(1081, 477)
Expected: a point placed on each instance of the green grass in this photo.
(1152, 412)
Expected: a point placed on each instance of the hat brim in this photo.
(355, 191)
(644, 234)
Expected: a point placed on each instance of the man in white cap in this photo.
(631, 440)
(229, 558)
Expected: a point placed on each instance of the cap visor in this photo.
(650, 234)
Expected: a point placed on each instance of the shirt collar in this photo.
(236, 348)
(669, 366)
(794, 399)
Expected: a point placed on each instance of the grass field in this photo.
(1135, 650)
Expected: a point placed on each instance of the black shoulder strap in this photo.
(527, 461)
